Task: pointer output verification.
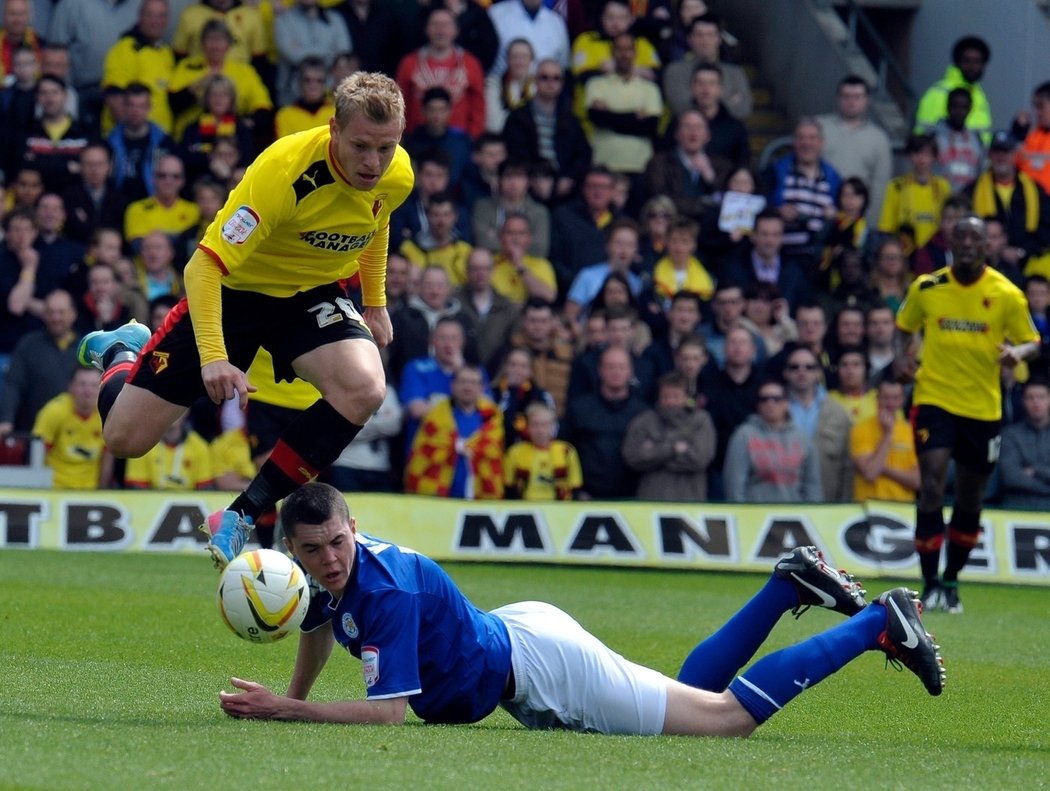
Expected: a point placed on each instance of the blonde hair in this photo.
(372, 94)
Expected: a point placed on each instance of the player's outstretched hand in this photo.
(904, 368)
(222, 381)
(1010, 355)
(256, 702)
(378, 321)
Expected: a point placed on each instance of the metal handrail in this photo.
(857, 19)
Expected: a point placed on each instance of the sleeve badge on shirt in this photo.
(370, 664)
(240, 226)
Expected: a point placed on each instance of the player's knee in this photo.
(357, 402)
(124, 442)
(931, 493)
(373, 395)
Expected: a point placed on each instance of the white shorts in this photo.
(565, 677)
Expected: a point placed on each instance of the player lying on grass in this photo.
(423, 644)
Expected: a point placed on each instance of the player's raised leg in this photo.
(891, 624)
(349, 375)
(800, 579)
(134, 419)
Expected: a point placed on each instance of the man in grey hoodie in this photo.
(770, 459)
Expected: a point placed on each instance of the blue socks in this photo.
(713, 663)
(774, 680)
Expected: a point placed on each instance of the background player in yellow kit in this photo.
(973, 320)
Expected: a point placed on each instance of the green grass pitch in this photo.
(111, 665)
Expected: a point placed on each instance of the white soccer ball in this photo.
(263, 596)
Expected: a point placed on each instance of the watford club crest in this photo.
(158, 362)
(377, 205)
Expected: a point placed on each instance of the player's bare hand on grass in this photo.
(256, 702)
(378, 321)
(223, 380)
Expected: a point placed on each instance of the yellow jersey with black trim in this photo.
(294, 118)
(295, 222)
(962, 327)
(185, 466)
(73, 443)
(132, 59)
(149, 214)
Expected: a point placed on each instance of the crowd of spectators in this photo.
(593, 292)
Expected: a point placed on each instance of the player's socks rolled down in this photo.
(309, 445)
(773, 681)
(714, 662)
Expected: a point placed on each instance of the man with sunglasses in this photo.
(769, 458)
(544, 128)
(823, 420)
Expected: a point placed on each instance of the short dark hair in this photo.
(768, 214)
(762, 289)
(1036, 381)
(855, 79)
(685, 295)
(444, 196)
(853, 350)
(971, 42)
(621, 223)
(488, 138)
(707, 18)
(18, 214)
(711, 67)
(512, 166)
(435, 156)
(137, 89)
(538, 303)
(312, 504)
(673, 379)
(437, 92)
(216, 26)
(957, 201)
(920, 140)
(311, 63)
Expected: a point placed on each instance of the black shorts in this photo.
(266, 423)
(287, 327)
(974, 443)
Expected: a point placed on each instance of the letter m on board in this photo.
(480, 531)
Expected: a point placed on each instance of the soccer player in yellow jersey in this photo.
(312, 211)
(973, 321)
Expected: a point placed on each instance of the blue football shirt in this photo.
(416, 634)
